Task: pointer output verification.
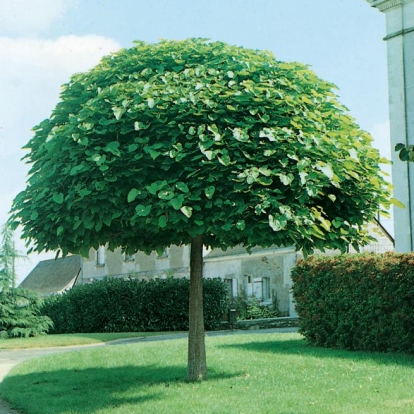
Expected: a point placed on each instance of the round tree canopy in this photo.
(162, 142)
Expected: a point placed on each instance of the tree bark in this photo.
(197, 367)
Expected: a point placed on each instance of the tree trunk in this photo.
(197, 367)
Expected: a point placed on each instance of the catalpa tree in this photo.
(201, 143)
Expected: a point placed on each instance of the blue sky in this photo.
(43, 42)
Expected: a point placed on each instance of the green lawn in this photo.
(48, 341)
(251, 374)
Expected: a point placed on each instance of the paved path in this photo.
(8, 359)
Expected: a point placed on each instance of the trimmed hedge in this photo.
(117, 305)
(357, 302)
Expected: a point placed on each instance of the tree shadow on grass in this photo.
(301, 347)
(86, 391)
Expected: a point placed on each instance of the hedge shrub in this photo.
(249, 307)
(117, 305)
(357, 302)
(20, 314)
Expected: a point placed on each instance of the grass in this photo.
(48, 341)
(250, 373)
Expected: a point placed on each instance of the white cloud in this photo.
(31, 75)
(31, 16)
(67, 53)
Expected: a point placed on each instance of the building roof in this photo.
(53, 276)
(241, 250)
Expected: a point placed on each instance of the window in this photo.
(231, 286)
(259, 287)
(266, 288)
(100, 256)
(248, 284)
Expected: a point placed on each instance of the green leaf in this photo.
(241, 225)
(397, 203)
(337, 223)
(177, 202)
(187, 211)
(113, 148)
(209, 191)
(118, 112)
(264, 181)
(154, 154)
(286, 179)
(142, 210)
(58, 198)
(156, 186)
(265, 171)
(132, 195)
(224, 159)
(138, 126)
(162, 221)
(84, 192)
(76, 169)
(326, 169)
(213, 128)
(88, 223)
(209, 154)
(267, 133)
(277, 224)
(182, 187)
(241, 135)
(325, 224)
(166, 194)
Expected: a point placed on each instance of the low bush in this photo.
(117, 305)
(249, 307)
(20, 314)
(357, 302)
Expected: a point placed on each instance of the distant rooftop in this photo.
(53, 276)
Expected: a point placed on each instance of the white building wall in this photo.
(400, 49)
(274, 264)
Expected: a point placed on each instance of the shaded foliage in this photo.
(249, 307)
(182, 138)
(20, 314)
(358, 302)
(117, 305)
(19, 308)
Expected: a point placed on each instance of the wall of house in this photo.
(272, 264)
(174, 262)
(243, 272)
(382, 245)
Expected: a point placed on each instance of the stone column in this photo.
(400, 49)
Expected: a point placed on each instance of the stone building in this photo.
(263, 273)
(400, 50)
